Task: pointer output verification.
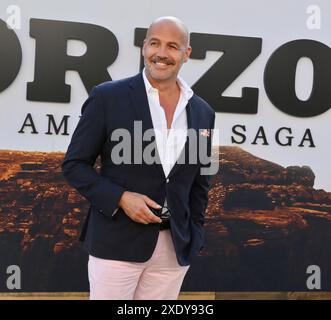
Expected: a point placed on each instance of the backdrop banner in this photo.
(265, 67)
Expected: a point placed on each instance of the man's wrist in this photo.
(120, 202)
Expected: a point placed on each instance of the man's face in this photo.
(164, 51)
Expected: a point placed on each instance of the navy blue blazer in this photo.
(117, 104)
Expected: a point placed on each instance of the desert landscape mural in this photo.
(265, 224)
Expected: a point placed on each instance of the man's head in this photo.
(165, 49)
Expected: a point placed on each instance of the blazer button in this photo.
(100, 211)
(167, 180)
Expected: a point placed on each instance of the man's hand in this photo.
(135, 205)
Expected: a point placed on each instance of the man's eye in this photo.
(173, 47)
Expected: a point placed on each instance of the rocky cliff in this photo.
(264, 225)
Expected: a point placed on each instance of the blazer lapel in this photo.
(192, 123)
(140, 105)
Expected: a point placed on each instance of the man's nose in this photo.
(162, 52)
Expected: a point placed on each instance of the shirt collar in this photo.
(184, 87)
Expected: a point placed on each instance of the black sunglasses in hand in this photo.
(163, 213)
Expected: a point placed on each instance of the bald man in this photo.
(145, 222)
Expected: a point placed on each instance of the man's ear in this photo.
(143, 48)
(188, 51)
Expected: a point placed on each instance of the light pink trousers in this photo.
(159, 278)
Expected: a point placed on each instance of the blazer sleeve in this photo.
(199, 191)
(86, 144)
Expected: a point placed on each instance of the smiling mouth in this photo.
(161, 65)
(161, 61)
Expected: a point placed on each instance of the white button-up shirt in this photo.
(170, 142)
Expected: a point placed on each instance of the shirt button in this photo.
(167, 180)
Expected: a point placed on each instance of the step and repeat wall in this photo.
(265, 67)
